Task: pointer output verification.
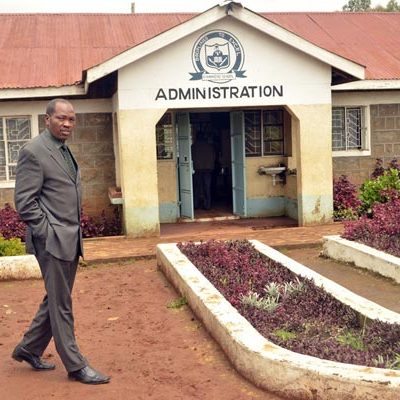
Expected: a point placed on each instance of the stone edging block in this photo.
(362, 256)
(19, 267)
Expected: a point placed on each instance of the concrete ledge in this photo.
(267, 365)
(19, 267)
(362, 256)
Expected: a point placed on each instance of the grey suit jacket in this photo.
(48, 198)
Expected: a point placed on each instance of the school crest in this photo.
(218, 57)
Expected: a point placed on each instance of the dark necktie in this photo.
(68, 160)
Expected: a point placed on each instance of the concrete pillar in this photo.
(313, 126)
(138, 168)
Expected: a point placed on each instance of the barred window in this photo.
(272, 132)
(252, 129)
(165, 137)
(264, 132)
(14, 133)
(347, 128)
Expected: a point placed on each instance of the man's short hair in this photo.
(51, 105)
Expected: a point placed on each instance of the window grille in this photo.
(264, 132)
(347, 128)
(252, 128)
(14, 133)
(165, 137)
(272, 132)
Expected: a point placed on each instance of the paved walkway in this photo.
(272, 231)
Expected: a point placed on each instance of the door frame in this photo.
(185, 163)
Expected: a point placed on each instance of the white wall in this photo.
(365, 98)
(266, 62)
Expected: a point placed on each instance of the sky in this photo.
(143, 6)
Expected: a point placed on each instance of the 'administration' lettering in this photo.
(224, 92)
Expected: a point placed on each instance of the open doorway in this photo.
(211, 156)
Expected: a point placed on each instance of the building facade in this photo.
(284, 114)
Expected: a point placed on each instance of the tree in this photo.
(392, 6)
(365, 5)
(358, 5)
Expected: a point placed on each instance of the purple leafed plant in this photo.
(12, 227)
(345, 194)
(292, 311)
(10, 224)
(345, 201)
(379, 169)
(379, 226)
(101, 226)
(382, 231)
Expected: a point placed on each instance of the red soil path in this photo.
(125, 329)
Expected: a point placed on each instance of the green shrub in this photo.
(346, 214)
(380, 189)
(284, 335)
(11, 247)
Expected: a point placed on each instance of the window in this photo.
(264, 132)
(14, 132)
(348, 127)
(272, 132)
(165, 137)
(252, 129)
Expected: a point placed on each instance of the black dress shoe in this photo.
(89, 376)
(21, 354)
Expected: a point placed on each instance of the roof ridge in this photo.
(331, 12)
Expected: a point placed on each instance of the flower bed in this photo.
(104, 225)
(291, 311)
(267, 365)
(381, 232)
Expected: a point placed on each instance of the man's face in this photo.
(62, 122)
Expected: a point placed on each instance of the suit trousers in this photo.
(55, 317)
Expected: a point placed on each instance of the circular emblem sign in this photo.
(218, 57)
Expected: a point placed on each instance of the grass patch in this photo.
(284, 335)
(350, 339)
(177, 303)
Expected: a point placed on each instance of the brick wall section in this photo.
(6, 196)
(385, 144)
(92, 145)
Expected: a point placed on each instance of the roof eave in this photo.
(38, 92)
(378, 84)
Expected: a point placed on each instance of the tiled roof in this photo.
(53, 50)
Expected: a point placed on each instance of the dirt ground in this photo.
(126, 329)
(383, 291)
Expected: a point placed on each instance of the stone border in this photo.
(267, 365)
(19, 267)
(362, 256)
(27, 267)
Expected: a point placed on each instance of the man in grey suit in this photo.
(48, 199)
